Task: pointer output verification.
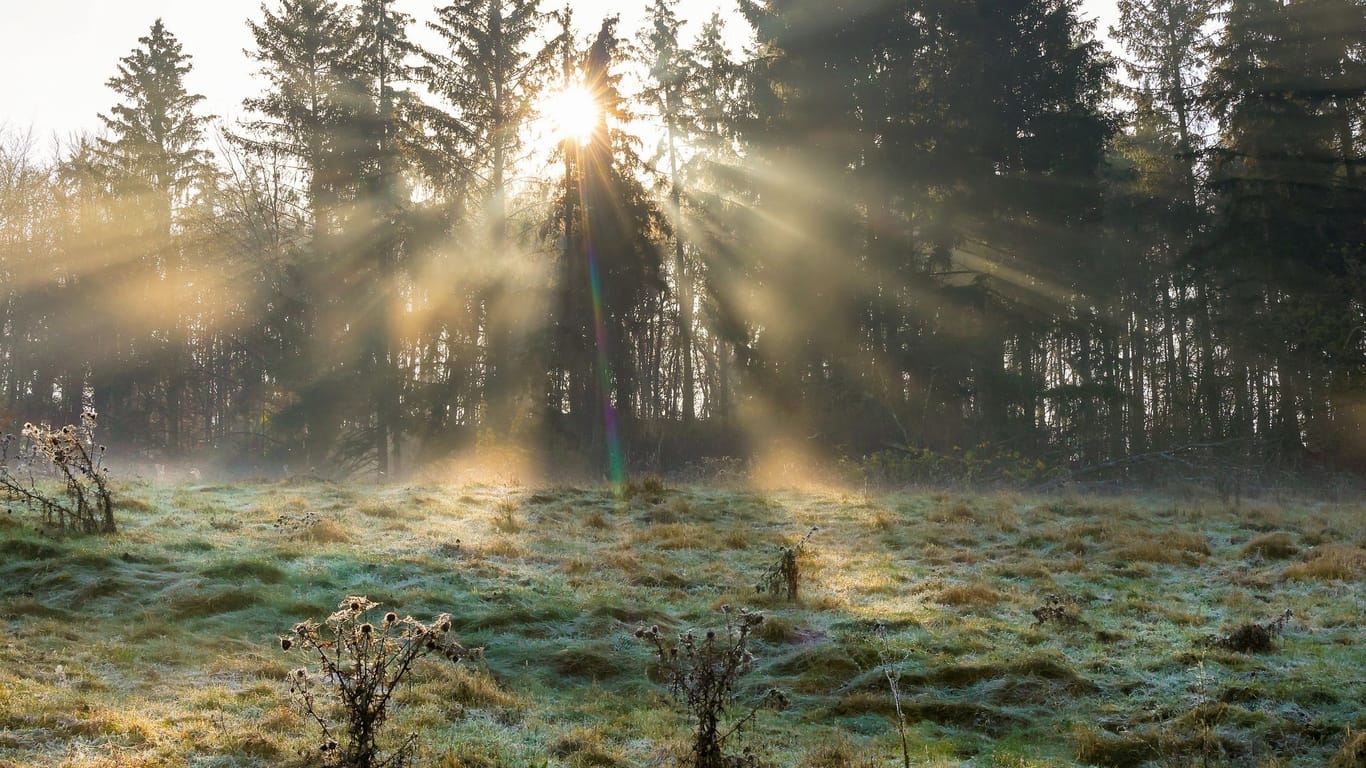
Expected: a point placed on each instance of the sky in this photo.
(61, 53)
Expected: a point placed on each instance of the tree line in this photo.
(908, 226)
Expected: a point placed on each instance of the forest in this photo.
(820, 384)
(924, 238)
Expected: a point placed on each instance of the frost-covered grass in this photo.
(158, 646)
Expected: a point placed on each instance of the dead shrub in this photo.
(68, 457)
(362, 663)
(703, 673)
(1250, 637)
(785, 574)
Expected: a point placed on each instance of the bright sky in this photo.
(60, 53)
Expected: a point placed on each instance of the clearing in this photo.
(1027, 631)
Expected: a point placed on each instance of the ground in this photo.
(1023, 631)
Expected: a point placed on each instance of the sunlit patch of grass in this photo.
(955, 512)
(585, 746)
(382, 510)
(502, 547)
(672, 536)
(128, 503)
(973, 594)
(597, 521)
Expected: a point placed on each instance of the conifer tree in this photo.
(672, 73)
(381, 74)
(154, 155)
(307, 113)
(489, 74)
(611, 280)
(1287, 241)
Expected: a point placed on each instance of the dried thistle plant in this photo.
(703, 673)
(71, 456)
(361, 663)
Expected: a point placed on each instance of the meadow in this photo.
(1019, 630)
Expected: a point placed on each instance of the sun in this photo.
(571, 113)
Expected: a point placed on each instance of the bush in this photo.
(362, 665)
(703, 675)
(70, 456)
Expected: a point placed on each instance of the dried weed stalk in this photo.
(785, 574)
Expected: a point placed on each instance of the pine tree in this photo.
(671, 74)
(1164, 45)
(153, 152)
(1287, 244)
(490, 74)
(611, 279)
(384, 128)
(1165, 59)
(715, 191)
(302, 49)
(155, 138)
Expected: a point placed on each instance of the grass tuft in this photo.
(1330, 562)
(972, 594)
(1353, 751)
(1277, 545)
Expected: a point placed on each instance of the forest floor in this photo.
(1026, 631)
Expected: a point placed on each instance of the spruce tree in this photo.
(384, 129)
(307, 113)
(671, 74)
(492, 68)
(153, 153)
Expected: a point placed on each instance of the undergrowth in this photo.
(145, 650)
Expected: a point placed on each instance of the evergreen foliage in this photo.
(936, 228)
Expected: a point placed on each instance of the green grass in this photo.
(158, 646)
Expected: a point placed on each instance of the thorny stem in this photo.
(900, 717)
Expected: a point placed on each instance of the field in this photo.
(1023, 631)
